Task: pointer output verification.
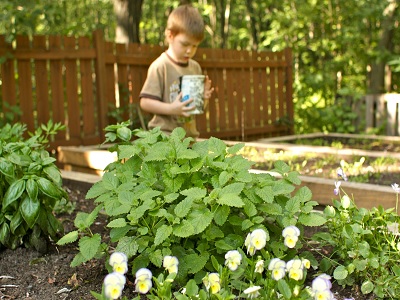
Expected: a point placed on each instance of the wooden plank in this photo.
(25, 85)
(111, 82)
(99, 45)
(89, 125)
(289, 89)
(123, 80)
(231, 93)
(8, 75)
(201, 120)
(41, 83)
(71, 82)
(56, 84)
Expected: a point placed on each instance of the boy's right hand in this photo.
(182, 108)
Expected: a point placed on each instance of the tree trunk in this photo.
(253, 24)
(128, 14)
(377, 78)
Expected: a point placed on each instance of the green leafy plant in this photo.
(30, 188)
(168, 195)
(365, 247)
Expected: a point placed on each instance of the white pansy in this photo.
(291, 230)
(252, 292)
(295, 269)
(233, 259)
(113, 285)
(259, 268)
(255, 240)
(170, 263)
(277, 268)
(143, 282)
(212, 282)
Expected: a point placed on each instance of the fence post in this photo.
(100, 69)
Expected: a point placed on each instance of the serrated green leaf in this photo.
(271, 208)
(183, 207)
(249, 208)
(110, 181)
(195, 193)
(232, 200)
(281, 167)
(119, 232)
(312, 219)
(84, 220)
(224, 177)
(292, 206)
(282, 188)
(78, 260)
(89, 246)
(200, 219)
(221, 214)
(266, 194)
(120, 222)
(127, 151)
(293, 177)
(162, 234)
(235, 148)
(127, 245)
(96, 190)
(70, 237)
(304, 194)
(196, 262)
(184, 229)
(156, 257)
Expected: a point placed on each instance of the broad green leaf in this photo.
(16, 221)
(191, 288)
(312, 219)
(29, 209)
(49, 188)
(32, 188)
(6, 168)
(53, 173)
(13, 192)
(304, 194)
(284, 289)
(70, 237)
(162, 234)
(270, 208)
(340, 273)
(367, 287)
(89, 246)
(282, 188)
(235, 148)
(4, 233)
(119, 232)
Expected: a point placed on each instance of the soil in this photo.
(27, 274)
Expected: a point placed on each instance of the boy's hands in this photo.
(181, 108)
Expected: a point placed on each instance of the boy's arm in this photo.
(157, 107)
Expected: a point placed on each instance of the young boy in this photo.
(161, 93)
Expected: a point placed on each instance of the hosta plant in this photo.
(30, 188)
(168, 195)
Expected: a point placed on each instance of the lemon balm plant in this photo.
(167, 195)
(30, 187)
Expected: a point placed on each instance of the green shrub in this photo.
(166, 195)
(30, 187)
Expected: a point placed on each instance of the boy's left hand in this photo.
(208, 89)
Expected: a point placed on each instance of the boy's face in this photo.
(181, 47)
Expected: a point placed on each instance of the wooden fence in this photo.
(86, 82)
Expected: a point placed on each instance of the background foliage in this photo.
(342, 49)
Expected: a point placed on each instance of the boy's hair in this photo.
(186, 19)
